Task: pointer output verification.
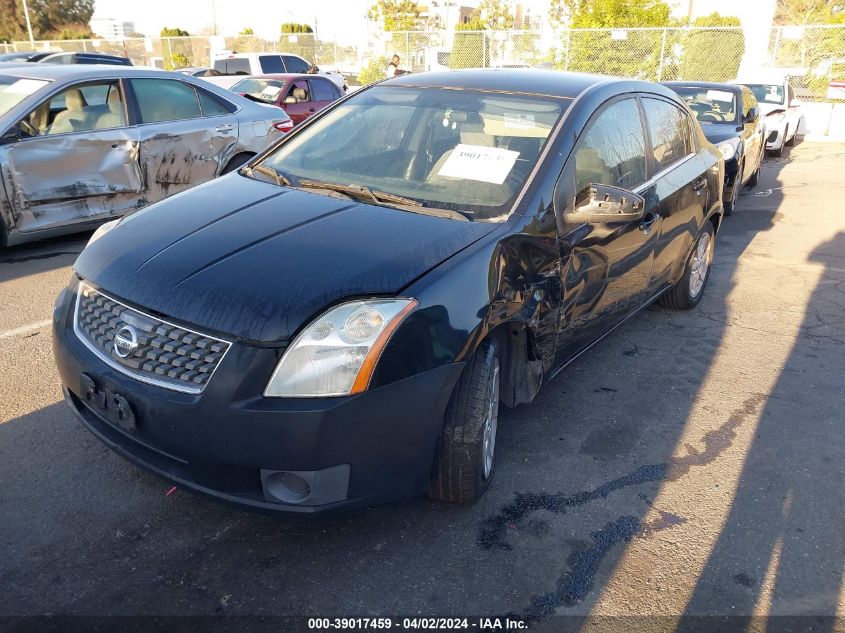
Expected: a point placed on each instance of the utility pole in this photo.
(28, 24)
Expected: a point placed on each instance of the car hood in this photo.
(720, 132)
(252, 260)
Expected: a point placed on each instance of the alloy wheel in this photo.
(700, 264)
(491, 422)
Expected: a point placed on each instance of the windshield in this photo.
(767, 93)
(709, 105)
(266, 90)
(13, 90)
(459, 150)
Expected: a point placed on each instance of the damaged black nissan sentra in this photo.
(336, 324)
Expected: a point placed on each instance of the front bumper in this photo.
(228, 441)
(775, 136)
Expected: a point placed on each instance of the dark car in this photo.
(299, 95)
(730, 119)
(23, 56)
(336, 323)
(85, 58)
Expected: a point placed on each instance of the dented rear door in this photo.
(72, 178)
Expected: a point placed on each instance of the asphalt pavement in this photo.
(691, 463)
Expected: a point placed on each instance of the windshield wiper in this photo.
(360, 192)
(365, 194)
(281, 179)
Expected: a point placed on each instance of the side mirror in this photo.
(11, 135)
(795, 103)
(600, 204)
(291, 99)
(753, 116)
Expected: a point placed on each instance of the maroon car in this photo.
(299, 95)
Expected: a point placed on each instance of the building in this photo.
(111, 29)
(444, 14)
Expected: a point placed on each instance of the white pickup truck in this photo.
(233, 66)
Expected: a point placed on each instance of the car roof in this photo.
(287, 76)
(553, 83)
(75, 72)
(703, 84)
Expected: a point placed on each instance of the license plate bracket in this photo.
(108, 404)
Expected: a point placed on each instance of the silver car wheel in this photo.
(491, 422)
(700, 264)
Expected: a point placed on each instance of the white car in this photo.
(233, 67)
(781, 112)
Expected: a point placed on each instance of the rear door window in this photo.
(271, 64)
(212, 105)
(668, 131)
(612, 150)
(165, 100)
(296, 64)
(322, 90)
(236, 66)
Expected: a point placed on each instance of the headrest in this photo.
(74, 100)
(114, 101)
(300, 94)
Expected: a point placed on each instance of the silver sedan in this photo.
(82, 144)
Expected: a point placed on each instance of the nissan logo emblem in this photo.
(125, 341)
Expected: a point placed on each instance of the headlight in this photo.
(728, 149)
(337, 353)
(102, 230)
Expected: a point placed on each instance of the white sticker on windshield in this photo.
(519, 121)
(25, 86)
(719, 95)
(476, 162)
(271, 92)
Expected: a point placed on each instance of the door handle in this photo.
(699, 184)
(648, 221)
(311, 109)
(223, 128)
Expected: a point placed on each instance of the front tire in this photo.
(686, 294)
(464, 462)
(730, 205)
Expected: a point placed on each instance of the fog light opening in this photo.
(288, 487)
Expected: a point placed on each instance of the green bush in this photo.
(376, 70)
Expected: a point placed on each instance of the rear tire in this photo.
(237, 161)
(686, 294)
(464, 461)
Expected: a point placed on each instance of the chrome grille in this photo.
(148, 348)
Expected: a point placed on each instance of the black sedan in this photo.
(336, 323)
(730, 118)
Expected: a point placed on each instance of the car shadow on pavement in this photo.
(616, 417)
(781, 551)
(38, 257)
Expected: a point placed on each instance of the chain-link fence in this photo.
(814, 56)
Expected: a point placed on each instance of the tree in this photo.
(804, 12)
(374, 71)
(398, 15)
(712, 55)
(247, 31)
(174, 32)
(50, 16)
(494, 14)
(598, 14)
(72, 32)
(12, 23)
(470, 45)
(296, 27)
(623, 53)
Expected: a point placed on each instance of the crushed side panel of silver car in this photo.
(80, 145)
